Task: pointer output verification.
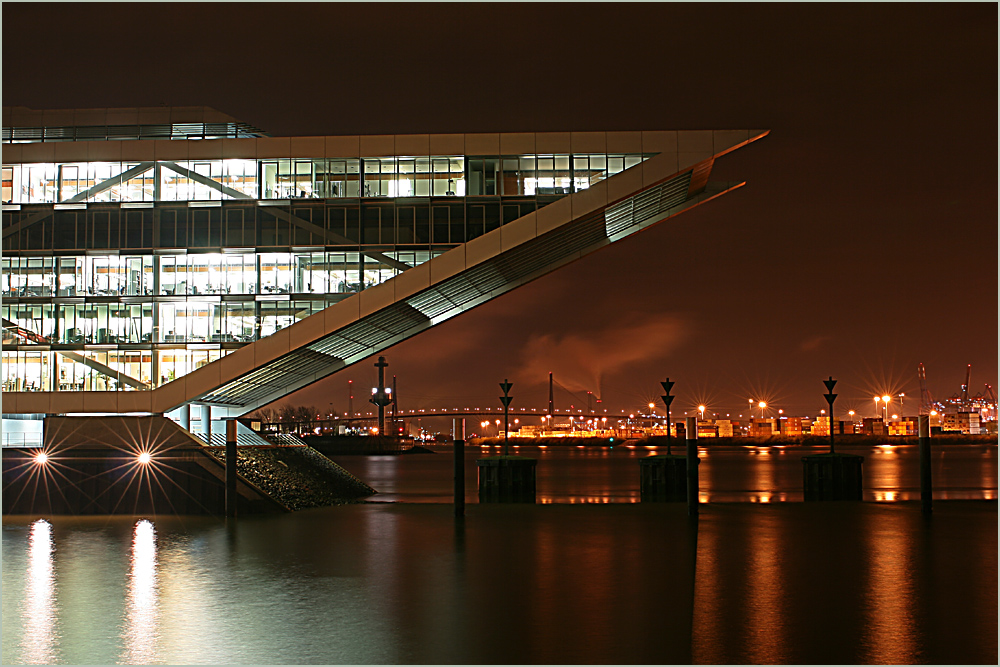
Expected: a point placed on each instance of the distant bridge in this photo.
(515, 416)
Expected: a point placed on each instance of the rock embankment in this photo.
(297, 477)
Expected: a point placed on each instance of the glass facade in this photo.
(125, 276)
(321, 178)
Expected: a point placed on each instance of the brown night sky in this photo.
(863, 243)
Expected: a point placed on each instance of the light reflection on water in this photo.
(726, 474)
(141, 632)
(847, 583)
(765, 637)
(889, 605)
(38, 642)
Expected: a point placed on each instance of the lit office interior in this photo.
(144, 272)
(327, 178)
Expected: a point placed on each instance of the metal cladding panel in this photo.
(319, 358)
(298, 365)
(337, 346)
(651, 202)
(430, 303)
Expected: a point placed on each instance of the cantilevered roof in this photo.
(466, 276)
(24, 125)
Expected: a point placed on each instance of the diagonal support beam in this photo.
(110, 183)
(77, 357)
(103, 370)
(205, 180)
(283, 215)
(27, 222)
(334, 237)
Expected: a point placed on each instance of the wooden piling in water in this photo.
(924, 445)
(692, 465)
(231, 499)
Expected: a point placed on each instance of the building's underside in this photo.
(372, 320)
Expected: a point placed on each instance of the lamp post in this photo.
(885, 407)
(381, 395)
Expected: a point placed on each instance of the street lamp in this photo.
(877, 399)
(762, 405)
(701, 409)
(885, 408)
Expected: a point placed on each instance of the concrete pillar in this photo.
(506, 479)
(206, 420)
(185, 416)
(832, 476)
(663, 478)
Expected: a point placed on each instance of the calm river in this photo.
(588, 575)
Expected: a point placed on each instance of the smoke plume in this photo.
(579, 361)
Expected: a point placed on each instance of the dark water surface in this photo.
(562, 582)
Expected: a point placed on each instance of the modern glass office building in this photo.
(159, 259)
(142, 244)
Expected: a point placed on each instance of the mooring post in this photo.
(459, 440)
(230, 467)
(924, 444)
(691, 436)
